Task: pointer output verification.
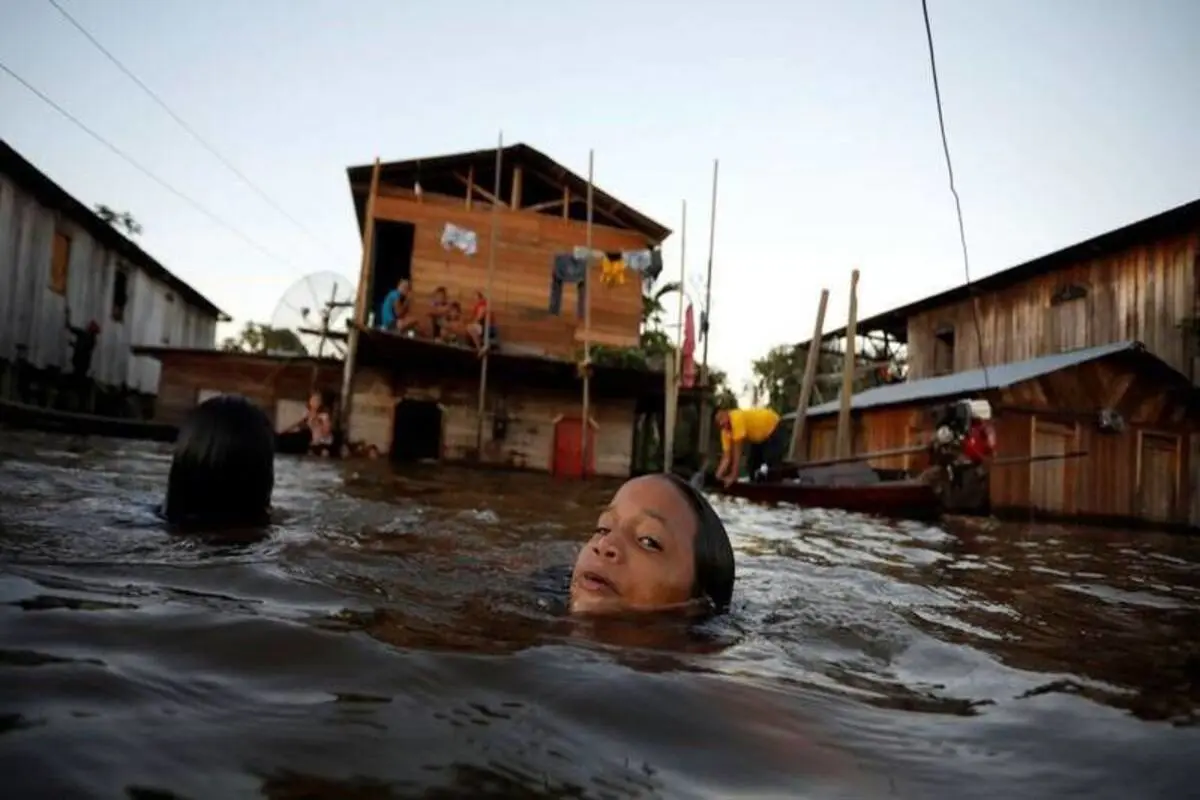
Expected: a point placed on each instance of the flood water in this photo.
(390, 637)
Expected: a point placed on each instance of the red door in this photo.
(567, 456)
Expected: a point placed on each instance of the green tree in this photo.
(121, 220)
(258, 338)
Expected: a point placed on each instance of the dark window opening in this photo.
(416, 431)
(392, 259)
(943, 351)
(120, 296)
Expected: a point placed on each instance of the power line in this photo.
(129, 160)
(962, 232)
(186, 127)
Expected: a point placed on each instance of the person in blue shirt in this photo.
(394, 315)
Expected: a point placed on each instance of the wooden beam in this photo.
(470, 186)
(484, 193)
(566, 202)
(845, 435)
(810, 369)
(515, 201)
(363, 298)
(546, 206)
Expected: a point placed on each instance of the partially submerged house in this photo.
(278, 384)
(432, 224)
(1106, 325)
(62, 264)
(1129, 411)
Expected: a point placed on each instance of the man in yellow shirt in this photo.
(758, 427)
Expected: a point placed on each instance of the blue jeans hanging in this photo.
(567, 269)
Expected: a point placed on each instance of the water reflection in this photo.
(395, 635)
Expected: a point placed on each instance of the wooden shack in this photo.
(1130, 411)
(279, 384)
(62, 264)
(1140, 282)
(432, 223)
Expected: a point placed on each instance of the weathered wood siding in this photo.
(526, 245)
(264, 381)
(529, 442)
(1141, 293)
(1143, 473)
(33, 311)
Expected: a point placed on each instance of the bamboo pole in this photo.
(705, 411)
(845, 436)
(585, 427)
(810, 374)
(676, 375)
(487, 297)
(360, 302)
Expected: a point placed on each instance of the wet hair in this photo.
(713, 554)
(223, 469)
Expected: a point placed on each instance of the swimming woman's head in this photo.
(223, 470)
(658, 545)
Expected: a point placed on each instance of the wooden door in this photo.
(1158, 478)
(1048, 490)
(567, 458)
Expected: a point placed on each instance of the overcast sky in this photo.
(1065, 119)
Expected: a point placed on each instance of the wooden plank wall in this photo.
(874, 430)
(1142, 293)
(1116, 479)
(263, 381)
(526, 245)
(529, 442)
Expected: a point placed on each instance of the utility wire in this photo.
(186, 127)
(129, 160)
(962, 233)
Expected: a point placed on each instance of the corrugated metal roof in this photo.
(971, 381)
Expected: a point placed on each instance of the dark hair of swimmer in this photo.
(223, 469)
(658, 545)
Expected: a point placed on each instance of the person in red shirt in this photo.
(479, 318)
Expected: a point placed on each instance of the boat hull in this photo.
(20, 415)
(915, 500)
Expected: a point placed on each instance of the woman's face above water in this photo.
(640, 557)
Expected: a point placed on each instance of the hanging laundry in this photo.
(647, 262)
(612, 269)
(459, 238)
(583, 254)
(687, 373)
(568, 268)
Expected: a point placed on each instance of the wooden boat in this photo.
(20, 415)
(846, 486)
(905, 499)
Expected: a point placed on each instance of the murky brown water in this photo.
(391, 638)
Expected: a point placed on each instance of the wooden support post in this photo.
(587, 322)
(470, 186)
(515, 202)
(670, 408)
(845, 433)
(705, 328)
(811, 358)
(487, 296)
(675, 373)
(362, 300)
(566, 202)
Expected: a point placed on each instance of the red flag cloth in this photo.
(687, 375)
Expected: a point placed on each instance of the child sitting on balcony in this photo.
(479, 318)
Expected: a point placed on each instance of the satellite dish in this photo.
(313, 317)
